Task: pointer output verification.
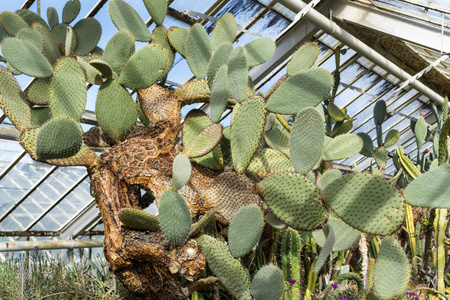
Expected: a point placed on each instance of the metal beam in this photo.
(337, 32)
(415, 31)
(48, 245)
(81, 222)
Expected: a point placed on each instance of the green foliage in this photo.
(68, 89)
(245, 230)
(138, 219)
(367, 203)
(224, 32)
(293, 199)
(430, 189)
(58, 138)
(178, 37)
(52, 16)
(118, 50)
(420, 131)
(25, 58)
(303, 59)
(225, 266)
(174, 217)
(12, 23)
(392, 137)
(268, 284)
(220, 57)
(343, 146)
(144, 67)
(379, 112)
(246, 130)
(392, 269)
(304, 89)
(117, 123)
(181, 171)
(307, 140)
(12, 101)
(124, 16)
(198, 51)
(71, 11)
(157, 10)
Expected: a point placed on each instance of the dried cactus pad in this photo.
(138, 219)
(12, 102)
(230, 192)
(293, 199)
(367, 203)
(268, 284)
(392, 269)
(228, 269)
(245, 230)
(246, 130)
(430, 189)
(307, 140)
(346, 236)
(175, 217)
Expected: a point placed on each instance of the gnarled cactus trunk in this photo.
(145, 262)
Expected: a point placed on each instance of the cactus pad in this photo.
(177, 38)
(124, 16)
(118, 50)
(224, 32)
(328, 177)
(245, 230)
(293, 199)
(381, 156)
(12, 101)
(50, 43)
(40, 116)
(343, 146)
(32, 37)
(93, 75)
(104, 68)
(259, 51)
(195, 122)
(268, 284)
(181, 171)
(60, 32)
(219, 94)
(230, 192)
(238, 74)
(88, 33)
(159, 36)
(31, 17)
(420, 131)
(68, 89)
(71, 11)
(367, 149)
(303, 59)
(52, 16)
(26, 59)
(346, 236)
(327, 247)
(379, 112)
(138, 219)
(157, 10)
(117, 123)
(193, 92)
(144, 67)
(430, 189)
(12, 23)
(392, 269)
(267, 161)
(197, 227)
(58, 138)
(198, 51)
(246, 130)
(367, 203)
(307, 140)
(277, 137)
(205, 141)
(306, 88)
(219, 58)
(392, 137)
(228, 269)
(174, 217)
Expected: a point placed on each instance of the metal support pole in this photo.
(49, 245)
(345, 37)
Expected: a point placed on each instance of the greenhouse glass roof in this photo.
(39, 201)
